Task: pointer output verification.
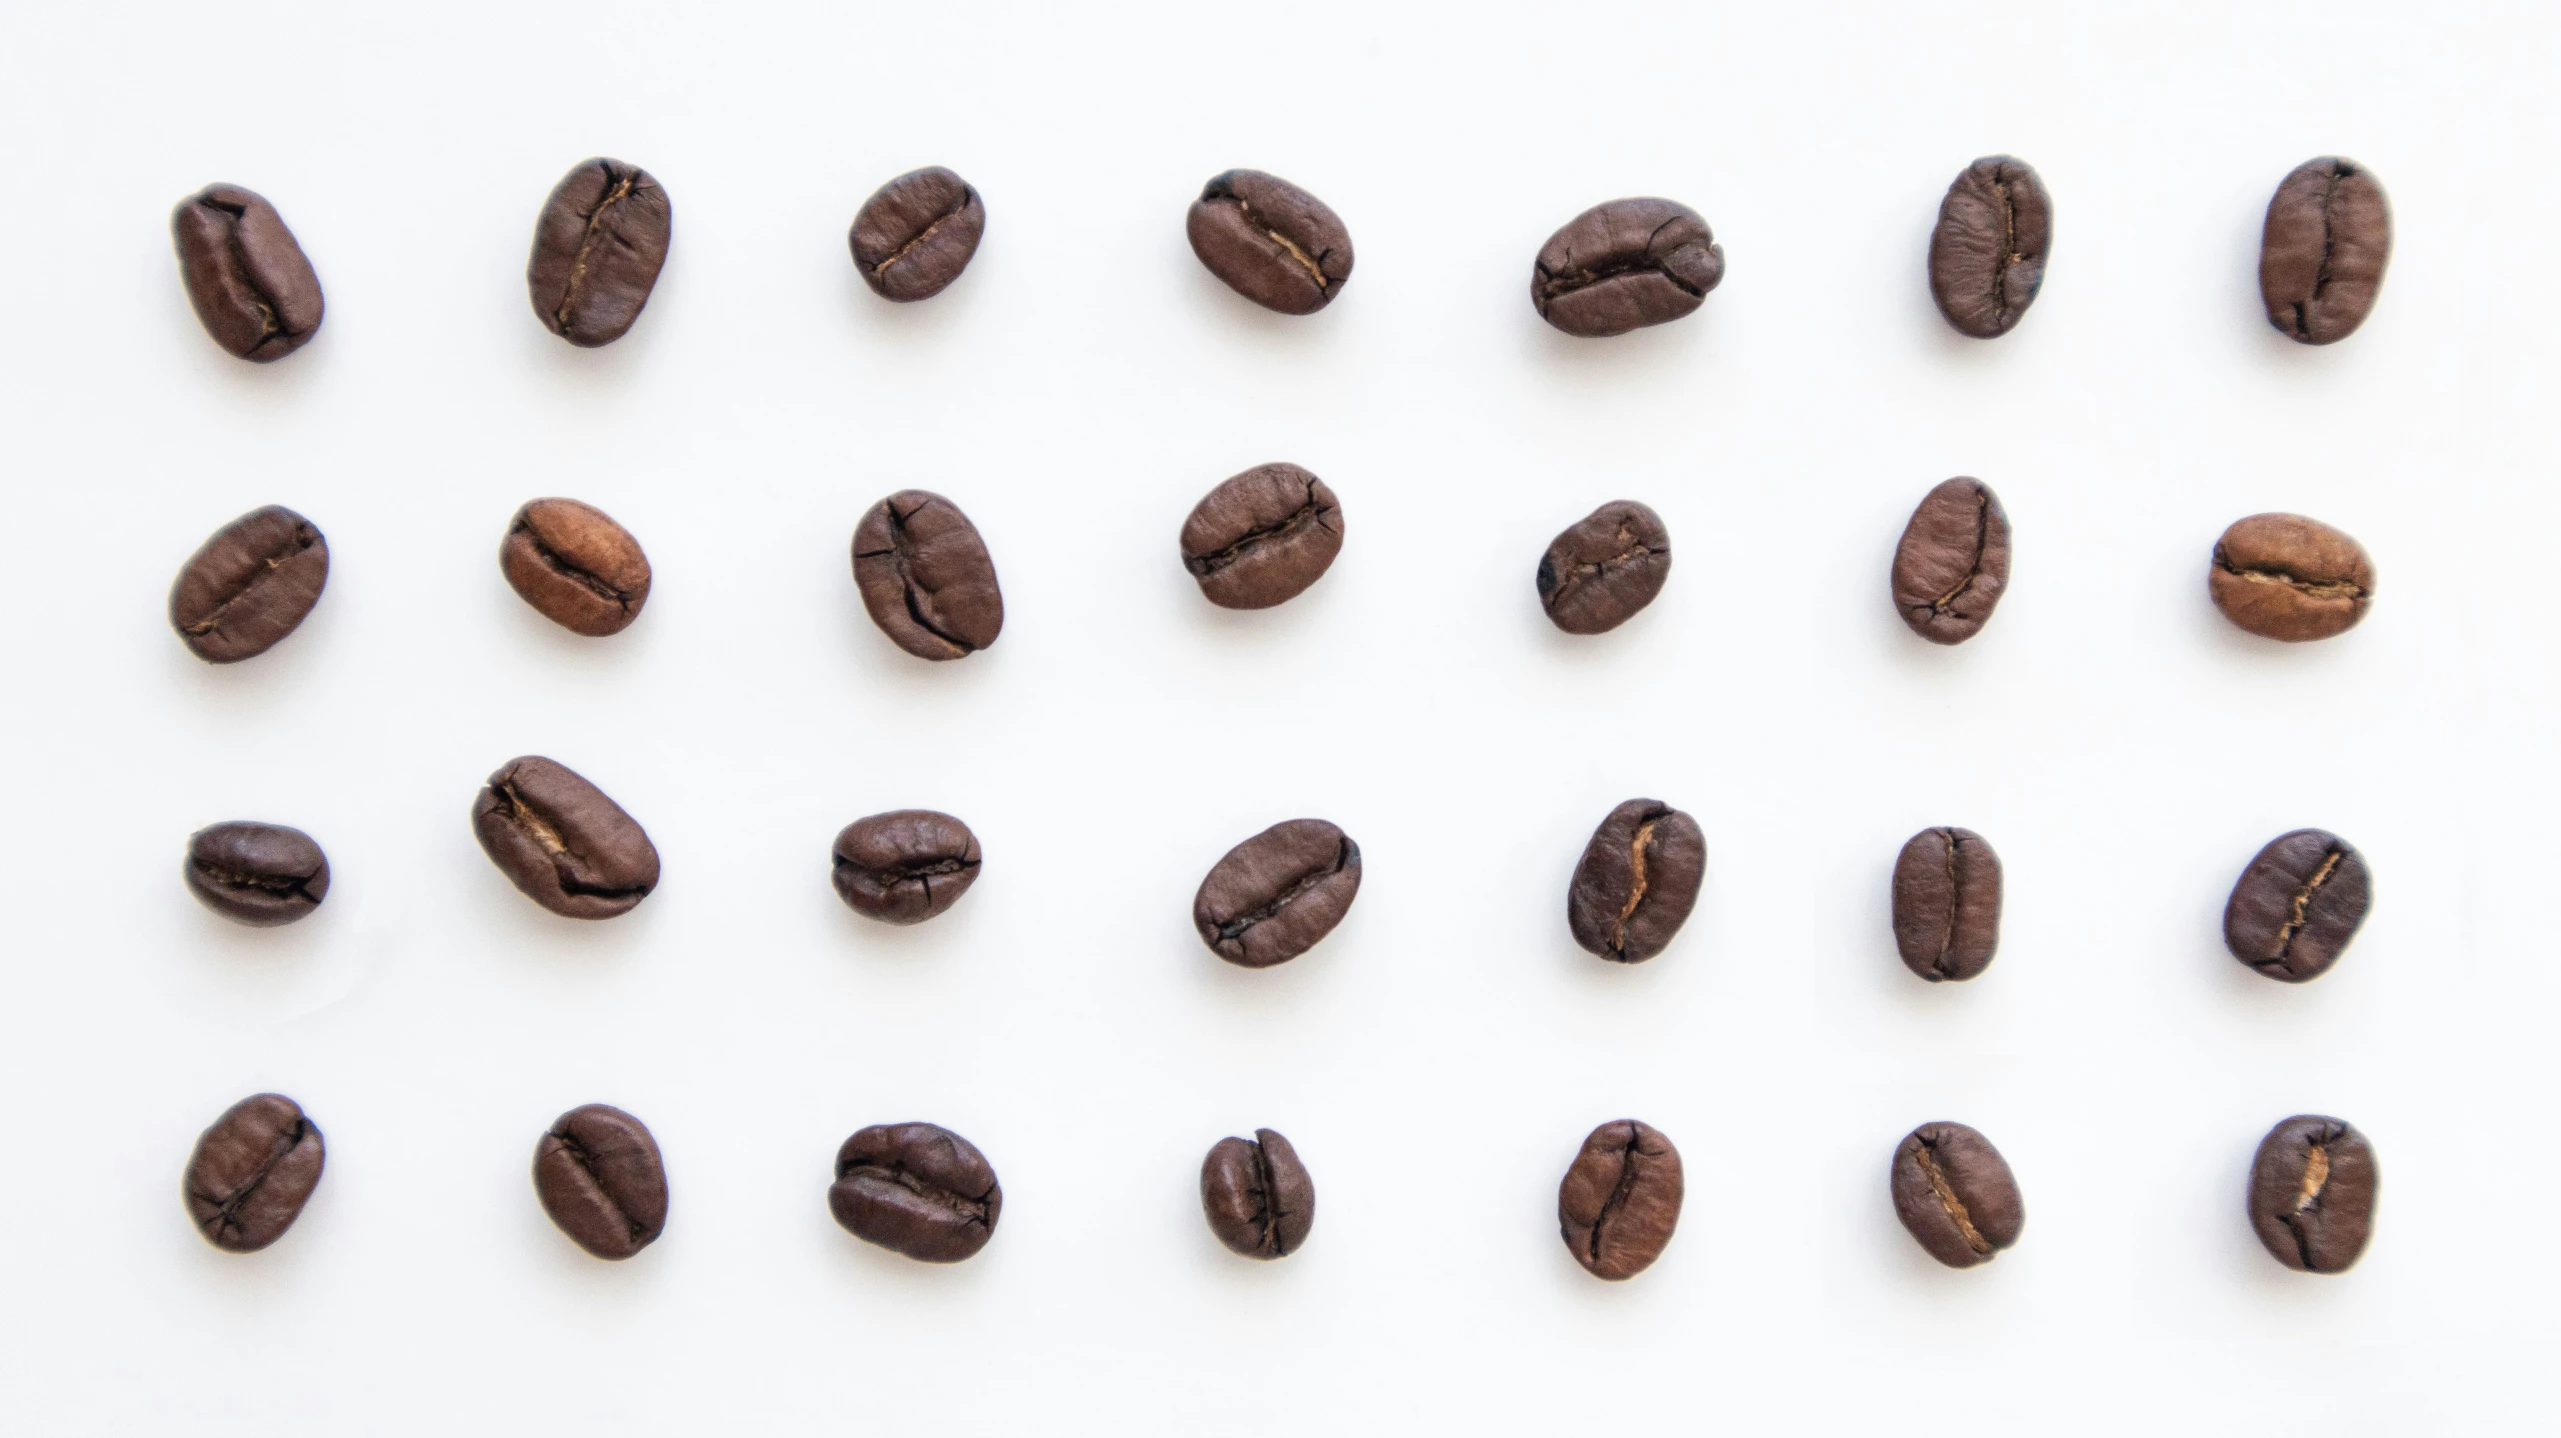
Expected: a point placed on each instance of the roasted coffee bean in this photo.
(1621, 1199)
(598, 247)
(599, 1177)
(1954, 561)
(560, 840)
(248, 280)
(575, 566)
(1625, 265)
(1258, 1197)
(249, 585)
(1610, 564)
(1954, 1192)
(1270, 241)
(1637, 882)
(917, 233)
(2297, 905)
(1987, 256)
(905, 866)
(1262, 537)
(1947, 904)
(2312, 1191)
(258, 874)
(252, 1172)
(920, 1189)
(1277, 894)
(2322, 255)
(926, 578)
(2282, 576)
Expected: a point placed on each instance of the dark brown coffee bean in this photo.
(560, 840)
(905, 866)
(920, 1189)
(598, 247)
(1625, 265)
(1637, 882)
(252, 1172)
(1987, 256)
(2322, 255)
(926, 578)
(1278, 893)
(1258, 1197)
(575, 566)
(1270, 241)
(1621, 1199)
(2282, 576)
(598, 1175)
(1954, 561)
(1610, 564)
(917, 233)
(258, 874)
(248, 280)
(2297, 905)
(1262, 537)
(249, 585)
(2312, 1190)
(1954, 1192)
(1947, 904)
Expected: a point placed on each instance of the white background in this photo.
(1438, 1059)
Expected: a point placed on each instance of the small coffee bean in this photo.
(562, 842)
(926, 578)
(2297, 905)
(915, 235)
(575, 566)
(2312, 1190)
(252, 1172)
(1608, 565)
(1620, 1200)
(917, 1188)
(2285, 577)
(598, 246)
(249, 281)
(2322, 255)
(1954, 561)
(1262, 537)
(1637, 882)
(1625, 265)
(1273, 897)
(906, 866)
(599, 1176)
(1947, 904)
(1987, 256)
(257, 874)
(1257, 1195)
(248, 586)
(1954, 1193)
(1270, 241)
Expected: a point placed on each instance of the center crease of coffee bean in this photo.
(585, 1162)
(586, 245)
(1617, 1201)
(2009, 254)
(1948, 1200)
(900, 553)
(1235, 927)
(926, 233)
(2307, 1199)
(268, 325)
(1955, 901)
(1636, 884)
(560, 564)
(2301, 913)
(2321, 276)
(271, 883)
(973, 1209)
(1974, 571)
(230, 1207)
(1586, 276)
(213, 619)
(1307, 513)
(1267, 1222)
(1314, 267)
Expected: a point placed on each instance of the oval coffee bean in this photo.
(917, 233)
(1270, 241)
(1947, 904)
(1610, 564)
(562, 842)
(2297, 905)
(575, 566)
(1273, 897)
(2282, 576)
(252, 1172)
(1625, 265)
(926, 578)
(917, 1188)
(598, 1175)
(598, 246)
(1954, 1192)
(906, 866)
(1954, 561)
(257, 874)
(1257, 1195)
(1987, 256)
(1621, 1199)
(2312, 1189)
(1262, 537)
(247, 278)
(2322, 255)
(1637, 882)
(249, 585)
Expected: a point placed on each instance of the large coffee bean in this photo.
(252, 1172)
(1262, 537)
(1608, 565)
(2282, 576)
(248, 280)
(599, 1177)
(562, 842)
(598, 247)
(1639, 877)
(2321, 257)
(1947, 904)
(917, 233)
(1625, 265)
(1270, 241)
(1621, 1199)
(2312, 1191)
(918, 1188)
(259, 874)
(1954, 1192)
(1257, 1195)
(1987, 256)
(905, 866)
(2297, 905)
(926, 578)
(1275, 895)
(249, 585)
(575, 566)
(1954, 561)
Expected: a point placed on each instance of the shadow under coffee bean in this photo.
(252, 1172)
(1955, 1194)
(1620, 1200)
(247, 277)
(251, 583)
(1638, 879)
(1623, 265)
(598, 246)
(1276, 895)
(256, 874)
(1270, 241)
(1262, 537)
(2298, 904)
(1257, 1196)
(915, 235)
(562, 842)
(1947, 904)
(2312, 1190)
(918, 1189)
(905, 866)
(599, 1176)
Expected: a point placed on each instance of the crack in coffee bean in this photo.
(1262, 537)
(917, 1189)
(1953, 563)
(925, 576)
(257, 874)
(1947, 904)
(2323, 252)
(2312, 1192)
(252, 1172)
(1955, 1194)
(1620, 1200)
(1954, 1206)
(1638, 879)
(599, 244)
(1276, 895)
(599, 1176)
(2297, 905)
(1257, 1195)
(248, 279)
(1623, 265)
(906, 866)
(251, 583)
(1988, 251)
(916, 234)
(1270, 241)
(1604, 568)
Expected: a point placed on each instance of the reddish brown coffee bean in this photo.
(256, 874)
(598, 246)
(2323, 252)
(906, 866)
(1638, 880)
(2285, 577)
(925, 576)
(575, 566)
(1624, 265)
(249, 585)
(918, 1189)
(1953, 565)
(1955, 1194)
(2312, 1190)
(1275, 896)
(2297, 905)
(1987, 256)
(1607, 566)
(1270, 241)
(245, 274)
(562, 842)
(916, 234)
(1620, 1200)
(252, 1172)
(1262, 537)
(1257, 1196)
(1947, 904)
(599, 1176)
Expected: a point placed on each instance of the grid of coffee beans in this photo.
(1257, 540)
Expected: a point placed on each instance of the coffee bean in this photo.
(926, 578)
(2322, 255)
(598, 245)
(1637, 881)
(906, 866)
(598, 1175)
(257, 874)
(575, 566)
(1277, 894)
(1987, 256)
(562, 842)
(1608, 565)
(248, 280)
(917, 233)
(252, 1172)
(2282, 576)
(2312, 1189)
(1947, 904)
(917, 1188)
(1257, 1195)
(249, 585)
(2297, 905)
(1954, 561)
(1270, 241)
(1625, 265)
(1621, 1199)
(1954, 1193)
(1262, 537)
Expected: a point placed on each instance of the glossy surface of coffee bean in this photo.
(1621, 1199)
(1275, 895)
(2312, 1191)
(2297, 905)
(1953, 564)
(918, 1189)
(252, 1172)
(1608, 565)
(257, 874)
(247, 278)
(1257, 1195)
(249, 585)
(1270, 241)
(925, 576)
(598, 247)
(1947, 904)
(1624, 265)
(1954, 1193)
(575, 566)
(1262, 537)
(905, 866)
(2285, 577)
(562, 842)
(599, 1176)
(1637, 882)
(1987, 256)
(915, 235)
(2322, 255)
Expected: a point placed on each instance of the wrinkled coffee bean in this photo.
(2285, 577)
(2322, 255)
(1262, 537)
(1275, 895)
(917, 233)
(562, 842)
(598, 247)
(906, 866)
(1621, 1199)
(2312, 1189)
(249, 585)
(575, 566)
(1257, 1195)
(598, 1175)
(252, 1172)
(2297, 905)
(1637, 882)
(1610, 564)
(247, 278)
(257, 874)
(917, 1188)
(1987, 256)
(1954, 1193)
(1947, 904)
(1270, 241)
(1954, 561)
(926, 578)
(1625, 265)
